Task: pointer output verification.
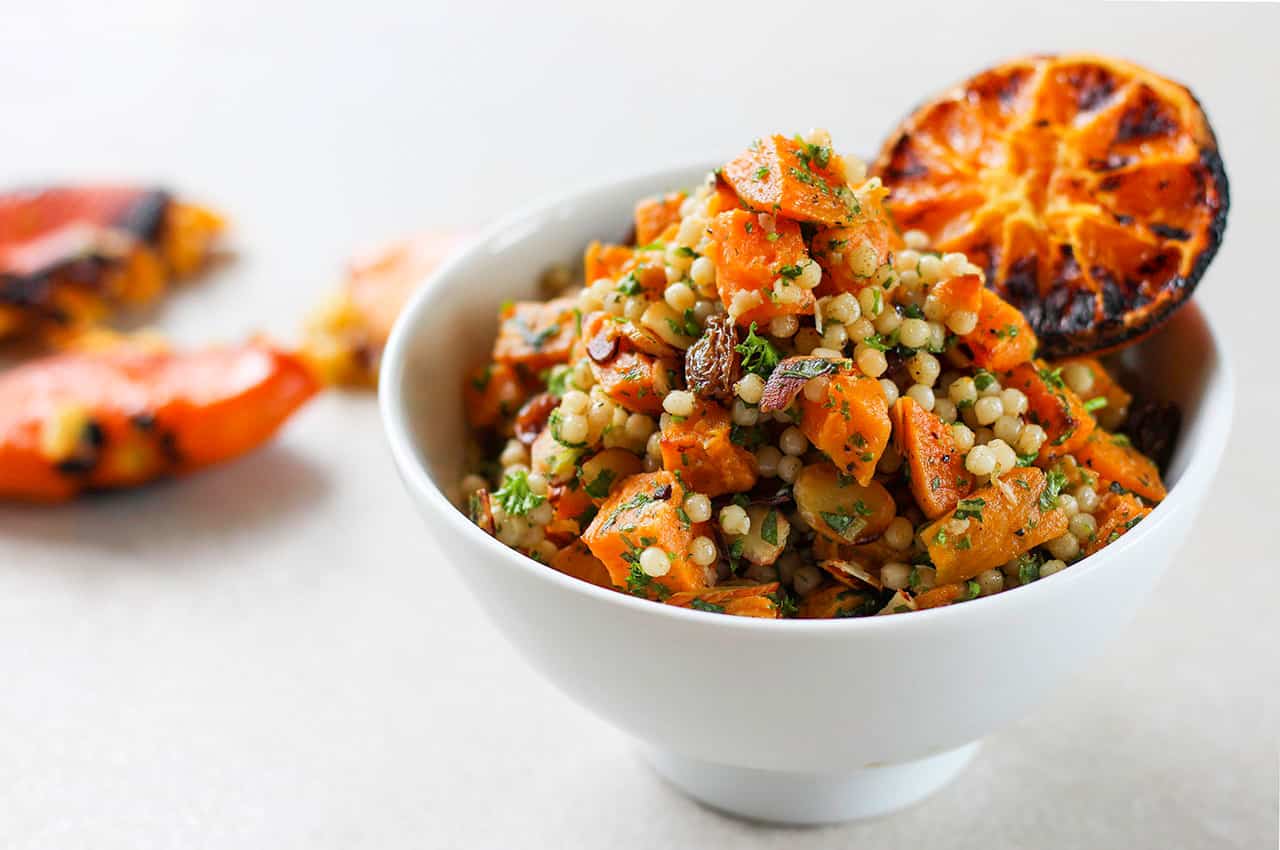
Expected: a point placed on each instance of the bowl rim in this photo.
(1199, 471)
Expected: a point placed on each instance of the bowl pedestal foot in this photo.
(811, 798)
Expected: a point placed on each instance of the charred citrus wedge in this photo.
(1089, 189)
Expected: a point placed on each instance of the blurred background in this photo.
(270, 655)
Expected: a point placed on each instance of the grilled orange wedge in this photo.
(1089, 189)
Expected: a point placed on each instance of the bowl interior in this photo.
(448, 328)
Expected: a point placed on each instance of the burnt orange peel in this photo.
(1089, 189)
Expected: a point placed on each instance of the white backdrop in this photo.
(271, 656)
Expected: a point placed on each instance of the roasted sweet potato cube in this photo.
(1002, 338)
(1053, 406)
(787, 177)
(1117, 461)
(1005, 518)
(576, 560)
(960, 293)
(646, 512)
(701, 450)
(835, 601)
(755, 600)
(943, 595)
(938, 476)
(1117, 513)
(723, 199)
(756, 268)
(655, 215)
(851, 425)
(636, 380)
(573, 509)
(536, 334)
(492, 393)
(1106, 391)
(851, 254)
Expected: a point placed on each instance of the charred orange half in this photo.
(1089, 189)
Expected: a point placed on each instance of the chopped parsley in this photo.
(913, 311)
(762, 172)
(769, 528)
(535, 339)
(629, 285)
(970, 508)
(1095, 403)
(783, 601)
(973, 590)
(843, 524)
(791, 272)
(983, 379)
(558, 380)
(514, 496)
(1007, 332)
(1052, 377)
(1121, 440)
(599, 488)
(758, 354)
(1054, 481)
(703, 605)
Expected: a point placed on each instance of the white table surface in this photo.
(272, 655)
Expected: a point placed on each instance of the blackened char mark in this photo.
(1148, 120)
(144, 217)
(1166, 231)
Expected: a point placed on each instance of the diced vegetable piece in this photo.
(723, 199)
(764, 543)
(480, 510)
(1005, 518)
(701, 450)
(851, 425)
(491, 394)
(634, 271)
(572, 509)
(645, 512)
(1118, 513)
(552, 458)
(576, 560)
(937, 473)
(1053, 406)
(793, 179)
(756, 268)
(655, 215)
(635, 380)
(536, 334)
(1119, 462)
(754, 600)
(963, 293)
(1106, 399)
(837, 601)
(1002, 338)
(839, 508)
(606, 470)
(850, 255)
(943, 594)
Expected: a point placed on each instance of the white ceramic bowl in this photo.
(790, 721)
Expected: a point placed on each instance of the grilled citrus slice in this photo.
(1090, 190)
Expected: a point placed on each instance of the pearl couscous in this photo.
(771, 403)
